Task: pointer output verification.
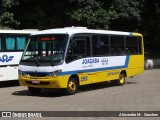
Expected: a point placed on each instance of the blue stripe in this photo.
(97, 69)
(130, 33)
(87, 70)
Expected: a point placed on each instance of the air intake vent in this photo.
(34, 74)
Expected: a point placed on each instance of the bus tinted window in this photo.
(139, 45)
(133, 45)
(46, 47)
(0, 43)
(79, 47)
(20, 43)
(117, 45)
(100, 45)
(10, 43)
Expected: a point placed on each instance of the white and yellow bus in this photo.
(12, 45)
(74, 56)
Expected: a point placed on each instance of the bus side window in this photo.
(133, 45)
(113, 51)
(10, 43)
(120, 51)
(139, 45)
(77, 48)
(127, 51)
(20, 43)
(100, 45)
(71, 53)
(0, 43)
(117, 44)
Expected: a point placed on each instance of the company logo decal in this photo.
(6, 58)
(104, 61)
(90, 61)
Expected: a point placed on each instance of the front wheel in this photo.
(34, 91)
(72, 86)
(120, 81)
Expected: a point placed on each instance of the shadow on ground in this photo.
(11, 83)
(61, 92)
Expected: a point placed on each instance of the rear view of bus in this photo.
(70, 57)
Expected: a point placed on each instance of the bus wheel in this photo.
(34, 91)
(120, 81)
(72, 86)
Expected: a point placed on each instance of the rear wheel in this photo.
(34, 91)
(120, 81)
(72, 86)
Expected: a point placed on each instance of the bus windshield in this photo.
(46, 48)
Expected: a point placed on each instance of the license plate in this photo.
(35, 81)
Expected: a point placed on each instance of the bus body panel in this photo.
(136, 64)
(61, 81)
(9, 65)
(88, 69)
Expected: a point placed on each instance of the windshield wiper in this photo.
(38, 64)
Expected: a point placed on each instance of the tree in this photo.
(150, 27)
(129, 15)
(99, 14)
(116, 14)
(6, 16)
(91, 13)
(42, 14)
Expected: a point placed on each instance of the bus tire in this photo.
(34, 91)
(72, 86)
(120, 81)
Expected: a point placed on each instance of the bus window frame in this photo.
(3, 41)
(138, 46)
(91, 35)
(1, 44)
(71, 39)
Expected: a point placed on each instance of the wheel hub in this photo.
(72, 86)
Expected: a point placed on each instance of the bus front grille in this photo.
(34, 74)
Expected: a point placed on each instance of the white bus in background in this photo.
(12, 44)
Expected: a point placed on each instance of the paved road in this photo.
(140, 93)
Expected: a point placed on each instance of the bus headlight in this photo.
(55, 73)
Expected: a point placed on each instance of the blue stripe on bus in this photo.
(88, 70)
(97, 69)
(130, 33)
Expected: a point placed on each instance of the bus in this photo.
(70, 57)
(12, 44)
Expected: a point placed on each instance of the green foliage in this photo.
(91, 13)
(104, 14)
(42, 14)
(150, 26)
(125, 15)
(127, 9)
(99, 14)
(128, 15)
(7, 17)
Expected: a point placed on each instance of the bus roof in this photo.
(76, 30)
(30, 31)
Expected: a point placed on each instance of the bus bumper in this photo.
(43, 82)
